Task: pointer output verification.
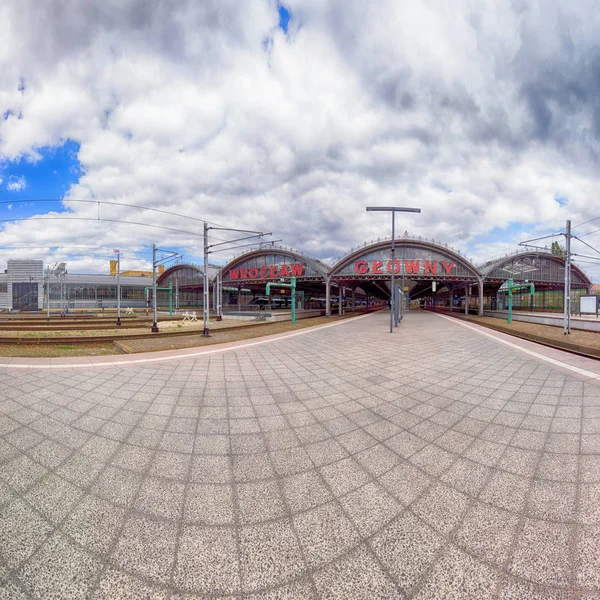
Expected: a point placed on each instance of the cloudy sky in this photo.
(291, 118)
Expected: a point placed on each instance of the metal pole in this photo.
(567, 293)
(214, 297)
(327, 297)
(205, 291)
(480, 308)
(401, 297)
(509, 289)
(392, 304)
(154, 323)
(466, 300)
(220, 295)
(48, 292)
(119, 289)
(293, 284)
(176, 294)
(170, 299)
(340, 295)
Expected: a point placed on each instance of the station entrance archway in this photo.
(418, 263)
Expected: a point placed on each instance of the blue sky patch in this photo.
(561, 200)
(46, 179)
(284, 17)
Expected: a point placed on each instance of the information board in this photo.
(588, 305)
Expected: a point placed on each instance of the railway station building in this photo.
(428, 272)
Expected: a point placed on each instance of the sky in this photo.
(291, 118)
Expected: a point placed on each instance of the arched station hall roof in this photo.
(417, 258)
(185, 275)
(270, 264)
(420, 259)
(537, 266)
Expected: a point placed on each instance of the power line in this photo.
(160, 210)
(588, 245)
(111, 202)
(100, 219)
(586, 222)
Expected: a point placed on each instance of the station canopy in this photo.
(262, 266)
(538, 266)
(369, 267)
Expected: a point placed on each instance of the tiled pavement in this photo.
(344, 463)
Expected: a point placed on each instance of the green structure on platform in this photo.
(291, 285)
(510, 286)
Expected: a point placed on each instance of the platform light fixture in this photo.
(393, 210)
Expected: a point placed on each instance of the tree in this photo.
(557, 250)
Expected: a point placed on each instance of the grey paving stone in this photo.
(232, 476)
(21, 473)
(407, 547)
(80, 469)
(441, 507)
(370, 507)
(211, 469)
(147, 548)
(252, 467)
(207, 560)
(260, 501)
(161, 498)
(60, 570)
(587, 563)
(325, 533)
(405, 482)
(117, 485)
(292, 591)
(171, 465)
(344, 475)
(589, 504)
(117, 584)
(22, 532)
(53, 497)
(506, 490)
(305, 490)
(466, 476)
(95, 523)
(513, 588)
(488, 532)
(357, 575)
(458, 576)
(269, 555)
(542, 554)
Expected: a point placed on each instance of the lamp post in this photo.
(393, 210)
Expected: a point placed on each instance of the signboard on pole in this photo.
(588, 305)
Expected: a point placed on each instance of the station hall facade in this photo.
(428, 272)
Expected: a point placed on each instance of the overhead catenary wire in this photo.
(112, 203)
(59, 218)
(586, 244)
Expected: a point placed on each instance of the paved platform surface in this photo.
(437, 462)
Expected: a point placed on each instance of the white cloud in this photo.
(481, 114)
(16, 184)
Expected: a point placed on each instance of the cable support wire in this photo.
(113, 203)
(101, 219)
(545, 237)
(586, 222)
(586, 244)
(586, 256)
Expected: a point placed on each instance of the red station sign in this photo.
(362, 267)
(271, 272)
